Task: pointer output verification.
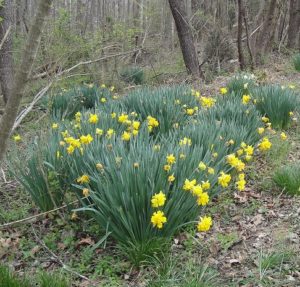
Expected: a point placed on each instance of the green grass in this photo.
(8, 279)
(43, 279)
(227, 240)
(288, 178)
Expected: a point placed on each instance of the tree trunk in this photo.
(265, 35)
(6, 59)
(185, 37)
(294, 22)
(240, 34)
(22, 74)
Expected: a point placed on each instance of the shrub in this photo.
(241, 84)
(276, 103)
(296, 61)
(288, 178)
(133, 75)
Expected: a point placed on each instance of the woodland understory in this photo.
(149, 143)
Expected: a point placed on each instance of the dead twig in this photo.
(95, 61)
(9, 224)
(43, 91)
(5, 37)
(27, 110)
(58, 260)
(3, 175)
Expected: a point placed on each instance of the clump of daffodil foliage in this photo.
(296, 62)
(66, 103)
(241, 83)
(145, 165)
(278, 103)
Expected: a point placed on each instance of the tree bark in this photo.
(240, 34)
(265, 35)
(6, 59)
(185, 37)
(248, 38)
(294, 22)
(22, 74)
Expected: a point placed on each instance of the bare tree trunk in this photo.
(264, 37)
(240, 34)
(294, 23)
(248, 38)
(6, 59)
(22, 73)
(185, 37)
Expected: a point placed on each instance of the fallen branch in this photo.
(95, 61)
(43, 91)
(9, 224)
(28, 109)
(5, 37)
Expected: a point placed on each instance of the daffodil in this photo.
(203, 199)
(264, 145)
(265, 119)
(17, 138)
(158, 219)
(126, 136)
(83, 179)
(93, 119)
(260, 130)
(246, 99)
(185, 141)
(171, 178)
(136, 125)
(189, 184)
(110, 133)
(171, 159)
(122, 118)
(205, 185)
(190, 112)
(158, 199)
(86, 139)
(283, 136)
(197, 190)
(99, 132)
(224, 179)
(207, 102)
(167, 167)
(202, 166)
(223, 91)
(85, 192)
(204, 224)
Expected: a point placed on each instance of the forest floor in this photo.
(255, 240)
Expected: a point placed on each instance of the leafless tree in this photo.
(185, 37)
(241, 16)
(22, 73)
(294, 24)
(6, 60)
